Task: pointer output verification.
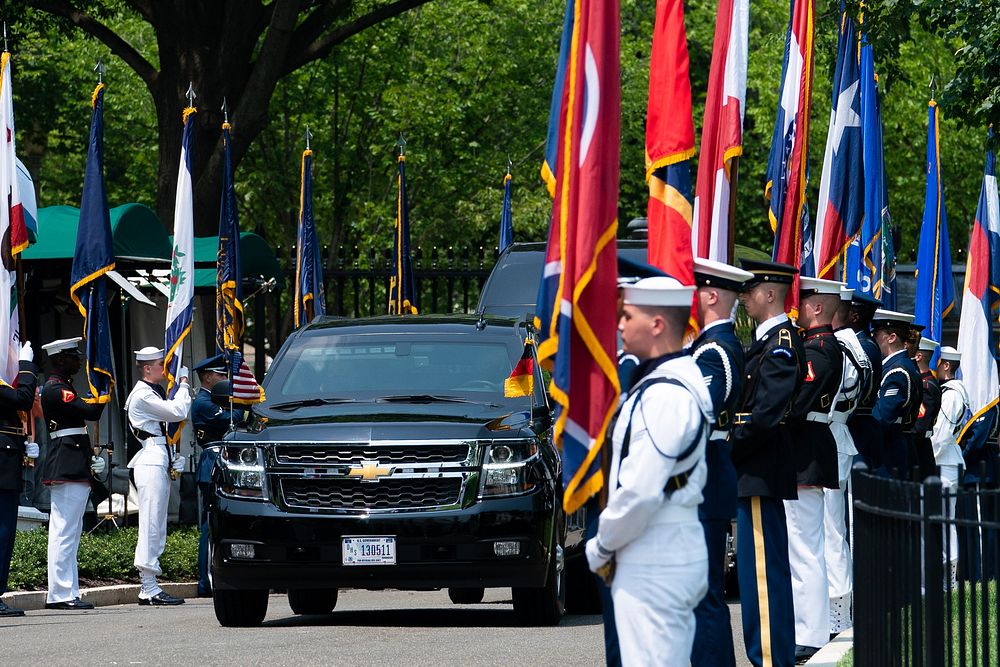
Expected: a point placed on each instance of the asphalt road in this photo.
(395, 628)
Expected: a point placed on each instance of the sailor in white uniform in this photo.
(947, 453)
(855, 382)
(149, 411)
(649, 541)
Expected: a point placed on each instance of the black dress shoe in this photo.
(161, 599)
(803, 653)
(75, 604)
(10, 611)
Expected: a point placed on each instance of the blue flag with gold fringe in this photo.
(401, 285)
(93, 258)
(310, 298)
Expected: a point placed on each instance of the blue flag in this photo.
(310, 296)
(401, 285)
(93, 258)
(871, 261)
(935, 291)
(506, 217)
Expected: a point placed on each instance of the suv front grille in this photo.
(308, 454)
(386, 494)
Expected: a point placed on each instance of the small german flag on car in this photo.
(522, 379)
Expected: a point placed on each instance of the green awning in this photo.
(256, 259)
(136, 232)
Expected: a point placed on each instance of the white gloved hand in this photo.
(97, 465)
(182, 374)
(31, 450)
(178, 463)
(596, 557)
(26, 354)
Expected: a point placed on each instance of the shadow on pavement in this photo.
(421, 618)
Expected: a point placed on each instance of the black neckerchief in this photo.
(649, 365)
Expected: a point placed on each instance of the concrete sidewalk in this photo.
(102, 596)
(832, 653)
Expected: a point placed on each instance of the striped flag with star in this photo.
(669, 145)
(787, 164)
(578, 291)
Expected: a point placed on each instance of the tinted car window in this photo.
(370, 366)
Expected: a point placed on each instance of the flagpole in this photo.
(734, 178)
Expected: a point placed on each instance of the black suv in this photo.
(388, 456)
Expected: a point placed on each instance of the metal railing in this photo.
(925, 570)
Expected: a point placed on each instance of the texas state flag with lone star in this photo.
(577, 295)
(787, 164)
(841, 187)
(980, 299)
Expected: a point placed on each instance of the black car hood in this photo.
(363, 422)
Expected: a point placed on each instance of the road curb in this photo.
(101, 596)
(832, 653)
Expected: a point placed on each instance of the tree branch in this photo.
(321, 46)
(144, 9)
(112, 40)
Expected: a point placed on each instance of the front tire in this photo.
(240, 609)
(312, 601)
(544, 606)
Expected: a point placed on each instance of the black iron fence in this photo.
(925, 566)
(448, 280)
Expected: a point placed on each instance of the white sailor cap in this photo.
(927, 345)
(891, 318)
(659, 291)
(948, 353)
(709, 273)
(148, 353)
(810, 286)
(63, 346)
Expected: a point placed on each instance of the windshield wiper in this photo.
(310, 402)
(423, 398)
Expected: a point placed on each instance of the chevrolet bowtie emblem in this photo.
(370, 471)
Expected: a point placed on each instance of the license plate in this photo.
(369, 550)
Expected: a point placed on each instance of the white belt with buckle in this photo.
(63, 432)
(155, 440)
(820, 417)
(718, 435)
(840, 417)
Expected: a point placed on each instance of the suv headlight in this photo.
(506, 468)
(243, 472)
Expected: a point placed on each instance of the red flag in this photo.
(669, 145)
(579, 284)
(722, 132)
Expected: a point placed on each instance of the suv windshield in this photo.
(379, 367)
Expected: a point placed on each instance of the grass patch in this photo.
(971, 626)
(104, 558)
(847, 660)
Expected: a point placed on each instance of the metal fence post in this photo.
(934, 583)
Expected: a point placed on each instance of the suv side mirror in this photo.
(222, 394)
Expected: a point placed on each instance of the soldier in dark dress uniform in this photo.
(719, 355)
(210, 423)
(977, 548)
(900, 392)
(865, 431)
(13, 450)
(765, 466)
(69, 466)
(923, 452)
(815, 463)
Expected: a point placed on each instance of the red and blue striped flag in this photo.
(577, 295)
(980, 299)
(787, 168)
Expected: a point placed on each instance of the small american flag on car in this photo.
(246, 390)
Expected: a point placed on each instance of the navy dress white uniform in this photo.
(856, 381)
(69, 465)
(650, 524)
(149, 411)
(927, 416)
(947, 453)
(899, 398)
(765, 476)
(13, 449)
(719, 355)
(865, 431)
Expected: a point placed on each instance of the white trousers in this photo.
(69, 501)
(839, 572)
(807, 563)
(153, 486)
(654, 611)
(949, 482)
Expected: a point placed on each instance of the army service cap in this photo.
(768, 272)
(709, 273)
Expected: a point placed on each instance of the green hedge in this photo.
(105, 558)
